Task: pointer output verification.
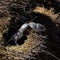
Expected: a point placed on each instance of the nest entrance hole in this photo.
(42, 19)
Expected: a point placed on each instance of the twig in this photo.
(47, 52)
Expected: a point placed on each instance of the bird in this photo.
(16, 36)
(35, 26)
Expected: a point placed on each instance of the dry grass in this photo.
(31, 42)
(0, 35)
(3, 27)
(49, 13)
(3, 24)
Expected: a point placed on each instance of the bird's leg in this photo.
(16, 43)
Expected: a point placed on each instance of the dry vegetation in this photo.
(34, 44)
(46, 12)
(32, 41)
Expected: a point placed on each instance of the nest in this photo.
(14, 13)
